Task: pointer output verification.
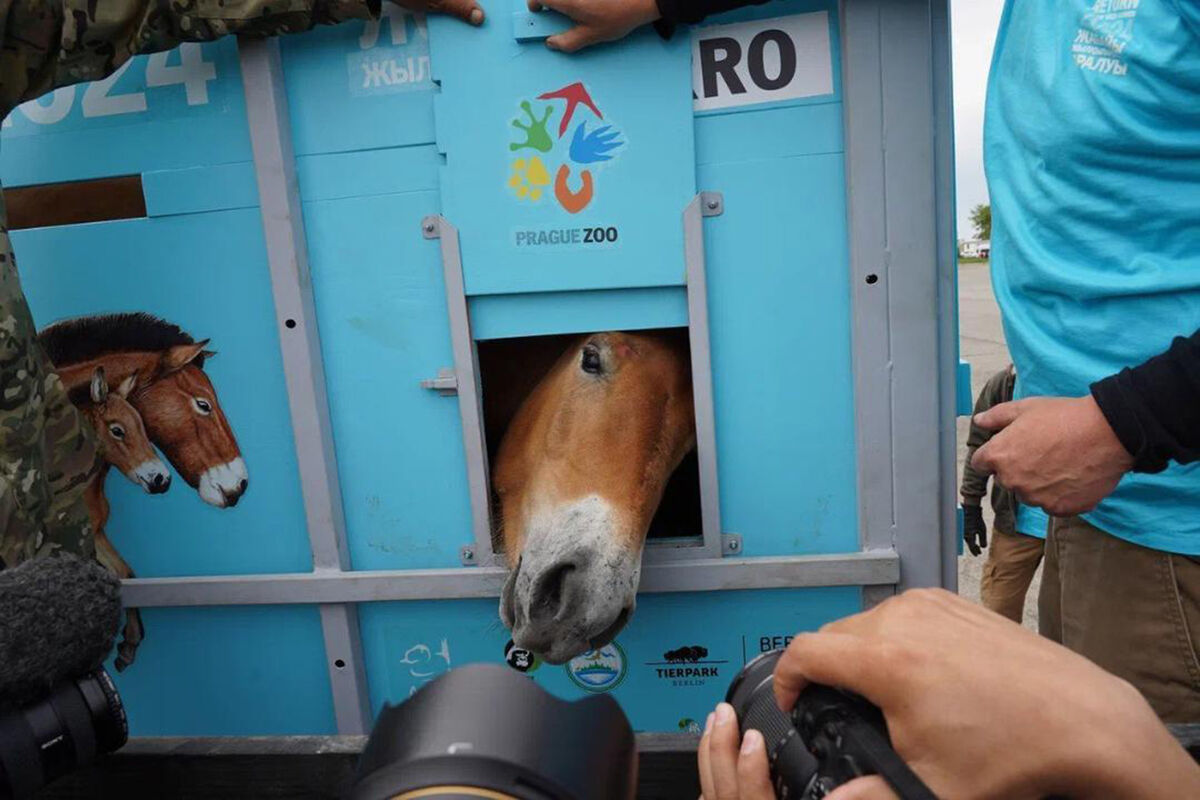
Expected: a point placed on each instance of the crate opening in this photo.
(509, 369)
(49, 204)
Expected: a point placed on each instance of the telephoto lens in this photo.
(752, 695)
(78, 721)
(485, 731)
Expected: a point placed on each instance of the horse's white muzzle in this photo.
(152, 475)
(223, 485)
(575, 585)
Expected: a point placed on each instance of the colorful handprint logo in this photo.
(576, 156)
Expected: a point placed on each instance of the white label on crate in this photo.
(761, 61)
(385, 65)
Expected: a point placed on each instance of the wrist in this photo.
(1104, 439)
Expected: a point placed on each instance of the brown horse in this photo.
(125, 445)
(578, 477)
(172, 393)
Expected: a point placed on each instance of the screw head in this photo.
(712, 205)
(429, 227)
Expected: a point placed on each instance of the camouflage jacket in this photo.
(48, 455)
(998, 389)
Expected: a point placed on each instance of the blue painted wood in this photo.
(187, 191)
(206, 273)
(381, 310)
(508, 135)
(408, 644)
(545, 313)
(129, 125)
(228, 671)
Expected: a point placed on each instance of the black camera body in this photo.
(831, 737)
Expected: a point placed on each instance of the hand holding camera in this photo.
(975, 705)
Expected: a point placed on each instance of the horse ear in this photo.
(208, 353)
(99, 387)
(179, 356)
(128, 385)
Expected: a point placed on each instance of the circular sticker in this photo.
(598, 670)
(520, 659)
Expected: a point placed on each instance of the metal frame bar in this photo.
(287, 258)
(897, 171)
(470, 400)
(706, 204)
(336, 589)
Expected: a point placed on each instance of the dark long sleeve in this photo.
(689, 12)
(1154, 408)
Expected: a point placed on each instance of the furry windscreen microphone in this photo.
(58, 618)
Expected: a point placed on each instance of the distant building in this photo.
(975, 248)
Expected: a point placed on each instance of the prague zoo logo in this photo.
(598, 670)
(573, 158)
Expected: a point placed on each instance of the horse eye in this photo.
(202, 405)
(117, 431)
(591, 361)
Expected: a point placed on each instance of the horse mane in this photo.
(72, 341)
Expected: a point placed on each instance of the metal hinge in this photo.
(445, 384)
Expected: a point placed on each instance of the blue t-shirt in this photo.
(1092, 153)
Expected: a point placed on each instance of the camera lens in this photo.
(486, 731)
(78, 721)
(752, 695)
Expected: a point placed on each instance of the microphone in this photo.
(58, 619)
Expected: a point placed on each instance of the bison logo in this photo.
(689, 655)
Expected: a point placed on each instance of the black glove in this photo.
(974, 530)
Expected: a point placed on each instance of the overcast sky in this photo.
(974, 30)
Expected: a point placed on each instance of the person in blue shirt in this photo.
(1092, 153)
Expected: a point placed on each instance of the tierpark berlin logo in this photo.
(573, 149)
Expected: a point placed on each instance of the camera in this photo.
(831, 737)
(79, 720)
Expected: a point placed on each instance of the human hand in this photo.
(959, 684)
(728, 772)
(974, 529)
(596, 21)
(466, 10)
(1054, 452)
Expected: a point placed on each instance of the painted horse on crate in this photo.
(124, 444)
(158, 369)
(173, 394)
(579, 475)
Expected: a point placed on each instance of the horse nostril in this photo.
(242, 484)
(547, 597)
(158, 481)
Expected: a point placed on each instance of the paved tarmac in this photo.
(982, 344)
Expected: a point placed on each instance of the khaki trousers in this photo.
(1132, 610)
(1012, 560)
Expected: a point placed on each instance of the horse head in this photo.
(578, 476)
(179, 405)
(124, 442)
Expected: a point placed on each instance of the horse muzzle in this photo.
(223, 485)
(575, 586)
(153, 476)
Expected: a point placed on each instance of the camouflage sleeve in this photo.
(52, 43)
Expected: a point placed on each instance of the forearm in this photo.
(974, 483)
(1154, 408)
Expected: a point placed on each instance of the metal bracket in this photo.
(712, 204)
(731, 544)
(466, 555)
(445, 384)
(431, 227)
